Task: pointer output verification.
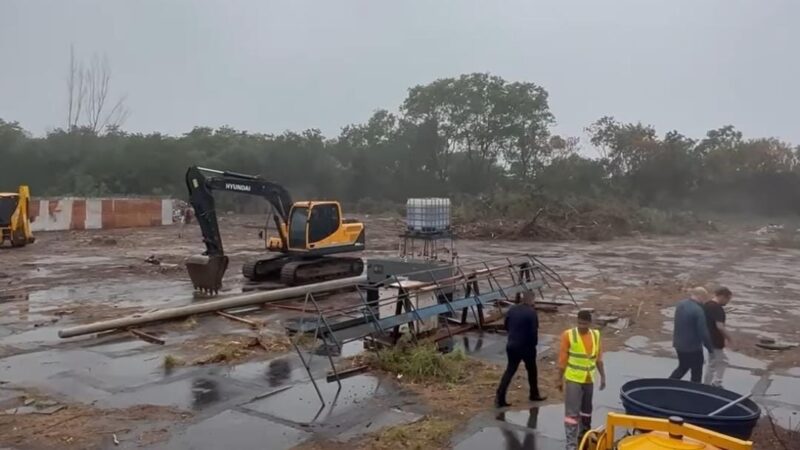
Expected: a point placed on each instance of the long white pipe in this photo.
(211, 306)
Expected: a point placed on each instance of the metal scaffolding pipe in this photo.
(206, 307)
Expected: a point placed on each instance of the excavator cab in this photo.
(315, 226)
(15, 225)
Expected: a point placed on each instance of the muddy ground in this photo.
(219, 383)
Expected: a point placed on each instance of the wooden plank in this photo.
(147, 337)
(346, 373)
(248, 322)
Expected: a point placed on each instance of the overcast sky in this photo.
(268, 66)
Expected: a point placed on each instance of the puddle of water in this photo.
(491, 438)
(80, 374)
(273, 373)
(120, 293)
(194, 393)
(40, 335)
(238, 430)
(301, 404)
(548, 421)
(127, 345)
(38, 367)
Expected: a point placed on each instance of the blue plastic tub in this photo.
(657, 397)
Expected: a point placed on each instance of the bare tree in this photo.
(76, 91)
(88, 92)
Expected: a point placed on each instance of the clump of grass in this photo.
(189, 323)
(228, 352)
(423, 363)
(170, 362)
(430, 432)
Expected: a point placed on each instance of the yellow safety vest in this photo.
(581, 365)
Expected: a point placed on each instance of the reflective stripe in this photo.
(585, 369)
(586, 415)
(579, 355)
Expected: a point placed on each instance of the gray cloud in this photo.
(268, 66)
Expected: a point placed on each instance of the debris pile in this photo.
(587, 221)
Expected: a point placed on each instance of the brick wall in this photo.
(99, 213)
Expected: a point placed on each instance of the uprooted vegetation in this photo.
(515, 217)
(228, 349)
(422, 363)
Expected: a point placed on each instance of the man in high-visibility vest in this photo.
(580, 354)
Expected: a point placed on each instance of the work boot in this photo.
(498, 403)
(537, 398)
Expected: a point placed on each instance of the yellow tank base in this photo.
(661, 440)
(659, 434)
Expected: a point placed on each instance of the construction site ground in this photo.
(218, 383)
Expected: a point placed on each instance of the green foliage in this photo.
(475, 136)
(423, 362)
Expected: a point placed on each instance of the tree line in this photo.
(467, 136)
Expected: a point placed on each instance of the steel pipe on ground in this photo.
(210, 306)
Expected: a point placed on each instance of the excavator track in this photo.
(265, 269)
(315, 270)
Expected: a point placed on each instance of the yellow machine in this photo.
(309, 232)
(658, 434)
(15, 223)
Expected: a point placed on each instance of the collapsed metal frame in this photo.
(501, 280)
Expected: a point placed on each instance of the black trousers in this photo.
(689, 361)
(516, 356)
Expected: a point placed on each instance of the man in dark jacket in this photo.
(691, 335)
(522, 325)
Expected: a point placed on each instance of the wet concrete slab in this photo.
(381, 420)
(194, 393)
(233, 429)
(786, 417)
(300, 403)
(503, 438)
(118, 347)
(548, 421)
(277, 372)
(787, 389)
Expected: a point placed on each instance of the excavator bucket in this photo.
(206, 272)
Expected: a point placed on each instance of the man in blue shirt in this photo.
(690, 335)
(522, 325)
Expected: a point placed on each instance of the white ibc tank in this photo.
(428, 215)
